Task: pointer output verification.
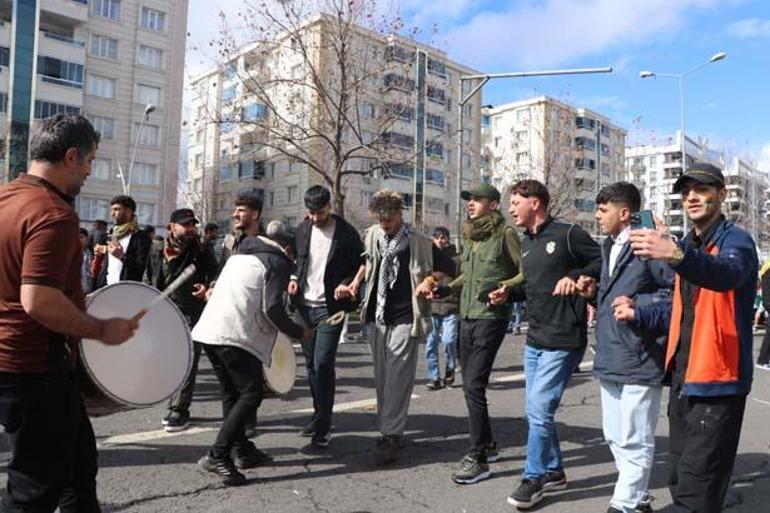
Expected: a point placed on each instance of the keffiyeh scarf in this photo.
(390, 247)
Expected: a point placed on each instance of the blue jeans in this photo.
(515, 322)
(445, 330)
(320, 356)
(546, 373)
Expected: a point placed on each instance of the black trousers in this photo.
(241, 379)
(53, 462)
(764, 349)
(478, 344)
(703, 438)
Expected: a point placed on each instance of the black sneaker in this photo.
(307, 431)
(386, 449)
(321, 441)
(471, 471)
(527, 494)
(176, 421)
(492, 453)
(645, 506)
(225, 468)
(434, 384)
(449, 380)
(249, 456)
(554, 481)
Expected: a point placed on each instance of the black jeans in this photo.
(479, 343)
(53, 462)
(764, 349)
(182, 400)
(241, 379)
(320, 358)
(703, 440)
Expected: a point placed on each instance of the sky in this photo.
(727, 102)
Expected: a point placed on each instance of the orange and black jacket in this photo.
(720, 360)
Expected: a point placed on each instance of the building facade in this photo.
(574, 151)
(403, 123)
(655, 168)
(112, 61)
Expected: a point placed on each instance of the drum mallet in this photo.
(186, 275)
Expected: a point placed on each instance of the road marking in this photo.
(520, 376)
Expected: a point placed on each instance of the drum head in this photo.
(151, 366)
(282, 372)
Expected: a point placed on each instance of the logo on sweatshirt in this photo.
(550, 247)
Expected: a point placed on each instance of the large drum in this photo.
(281, 374)
(147, 369)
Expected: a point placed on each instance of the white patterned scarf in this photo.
(390, 247)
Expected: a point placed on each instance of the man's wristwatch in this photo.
(677, 256)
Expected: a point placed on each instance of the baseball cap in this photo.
(483, 190)
(183, 216)
(703, 173)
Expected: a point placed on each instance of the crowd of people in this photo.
(668, 313)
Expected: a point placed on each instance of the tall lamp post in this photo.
(464, 98)
(682, 137)
(150, 108)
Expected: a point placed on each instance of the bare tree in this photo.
(314, 84)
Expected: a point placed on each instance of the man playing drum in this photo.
(240, 324)
(53, 462)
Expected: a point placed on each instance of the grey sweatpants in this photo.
(394, 355)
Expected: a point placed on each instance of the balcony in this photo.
(63, 47)
(74, 12)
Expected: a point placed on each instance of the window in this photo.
(198, 161)
(585, 163)
(145, 213)
(228, 94)
(394, 81)
(585, 143)
(605, 149)
(146, 94)
(397, 170)
(253, 112)
(397, 139)
(106, 8)
(434, 176)
(437, 95)
(434, 149)
(584, 205)
(436, 122)
(468, 110)
(5, 56)
(399, 53)
(44, 109)
(199, 136)
(366, 110)
(145, 174)
(230, 70)
(153, 20)
(225, 173)
(251, 170)
(397, 110)
(270, 199)
(103, 46)
(366, 198)
(105, 126)
(585, 122)
(150, 57)
(226, 127)
(521, 158)
(3, 102)
(521, 136)
(149, 135)
(522, 115)
(436, 67)
(101, 169)
(101, 86)
(291, 193)
(92, 209)
(60, 72)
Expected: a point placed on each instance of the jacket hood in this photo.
(255, 245)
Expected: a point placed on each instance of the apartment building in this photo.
(654, 169)
(405, 116)
(118, 62)
(574, 151)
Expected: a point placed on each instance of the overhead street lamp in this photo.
(148, 109)
(463, 99)
(680, 76)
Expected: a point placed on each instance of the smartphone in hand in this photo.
(644, 219)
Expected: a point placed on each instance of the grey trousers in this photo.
(394, 355)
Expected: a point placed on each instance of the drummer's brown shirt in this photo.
(39, 245)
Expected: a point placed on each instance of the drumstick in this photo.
(186, 275)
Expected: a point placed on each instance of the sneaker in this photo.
(763, 366)
(527, 494)
(449, 380)
(434, 384)
(517, 331)
(386, 449)
(492, 453)
(321, 441)
(225, 468)
(176, 421)
(307, 431)
(554, 481)
(645, 506)
(471, 471)
(249, 456)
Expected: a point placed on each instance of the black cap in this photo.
(483, 190)
(183, 216)
(703, 173)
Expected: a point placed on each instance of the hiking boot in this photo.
(225, 468)
(248, 456)
(492, 453)
(386, 449)
(434, 384)
(321, 441)
(176, 421)
(527, 494)
(471, 471)
(449, 380)
(554, 481)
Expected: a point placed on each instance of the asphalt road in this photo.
(143, 469)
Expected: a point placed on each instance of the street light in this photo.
(150, 108)
(462, 100)
(680, 76)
